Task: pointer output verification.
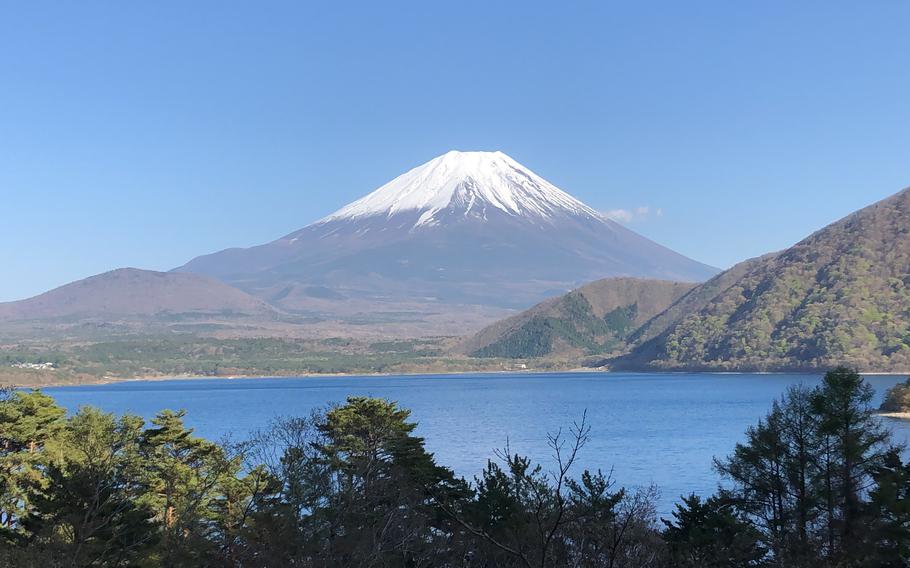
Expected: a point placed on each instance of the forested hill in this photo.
(842, 294)
(596, 318)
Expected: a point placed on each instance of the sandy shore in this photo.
(900, 415)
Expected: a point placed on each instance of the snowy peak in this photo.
(465, 228)
(471, 183)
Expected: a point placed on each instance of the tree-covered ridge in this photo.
(575, 325)
(817, 482)
(843, 294)
(596, 318)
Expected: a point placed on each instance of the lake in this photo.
(661, 429)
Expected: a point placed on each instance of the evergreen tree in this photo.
(91, 512)
(385, 484)
(522, 515)
(761, 469)
(357, 489)
(887, 532)
(31, 424)
(854, 446)
(711, 534)
(803, 472)
(234, 509)
(815, 483)
(183, 477)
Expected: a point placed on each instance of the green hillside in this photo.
(597, 318)
(840, 296)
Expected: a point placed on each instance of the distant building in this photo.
(34, 366)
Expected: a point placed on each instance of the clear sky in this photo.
(145, 133)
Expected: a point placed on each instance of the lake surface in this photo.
(661, 429)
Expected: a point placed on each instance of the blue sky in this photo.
(143, 134)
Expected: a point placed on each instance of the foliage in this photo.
(575, 324)
(598, 318)
(840, 296)
(186, 355)
(897, 399)
(533, 339)
(712, 534)
(815, 483)
(802, 477)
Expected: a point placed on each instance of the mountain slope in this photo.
(464, 228)
(695, 299)
(130, 292)
(841, 296)
(596, 318)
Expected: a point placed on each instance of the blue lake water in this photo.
(661, 429)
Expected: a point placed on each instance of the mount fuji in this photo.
(465, 228)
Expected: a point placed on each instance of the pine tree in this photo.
(803, 472)
(710, 534)
(854, 447)
(183, 478)
(31, 424)
(91, 512)
(887, 532)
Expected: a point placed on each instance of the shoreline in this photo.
(895, 415)
(158, 378)
(576, 370)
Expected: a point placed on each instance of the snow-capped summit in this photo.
(470, 183)
(464, 228)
